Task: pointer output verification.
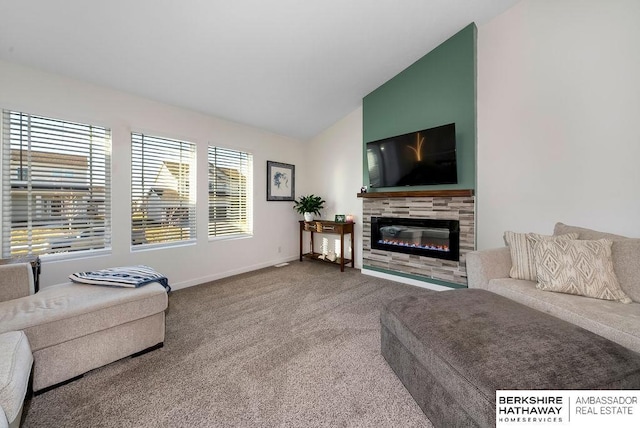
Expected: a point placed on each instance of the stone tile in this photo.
(462, 209)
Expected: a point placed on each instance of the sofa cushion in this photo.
(578, 267)
(584, 233)
(521, 249)
(15, 368)
(617, 322)
(16, 280)
(625, 254)
(64, 312)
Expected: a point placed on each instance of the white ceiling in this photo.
(293, 67)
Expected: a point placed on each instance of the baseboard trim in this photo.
(245, 269)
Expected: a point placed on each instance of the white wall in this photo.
(275, 223)
(558, 118)
(558, 140)
(334, 170)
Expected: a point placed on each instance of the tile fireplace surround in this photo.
(441, 205)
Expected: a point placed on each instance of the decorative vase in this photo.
(308, 216)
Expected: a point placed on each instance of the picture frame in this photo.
(340, 218)
(281, 181)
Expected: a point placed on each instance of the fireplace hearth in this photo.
(423, 237)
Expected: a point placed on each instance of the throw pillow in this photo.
(579, 267)
(521, 249)
(625, 253)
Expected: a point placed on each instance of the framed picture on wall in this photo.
(281, 181)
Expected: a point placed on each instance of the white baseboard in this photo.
(220, 275)
(402, 279)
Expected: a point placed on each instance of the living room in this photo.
(533, 102)
(557, 101)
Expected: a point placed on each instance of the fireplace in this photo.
(423, 237)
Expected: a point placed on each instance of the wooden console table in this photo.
(35, 265)
(323, 226)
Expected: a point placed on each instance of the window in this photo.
(230, 192)
(55, 186)
(162, 190)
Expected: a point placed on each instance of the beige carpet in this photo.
(297, 346)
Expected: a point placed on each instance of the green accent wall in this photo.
(437, 89)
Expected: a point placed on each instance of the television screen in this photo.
(419, 158)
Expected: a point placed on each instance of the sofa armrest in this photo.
(485, 265)
(16, 280)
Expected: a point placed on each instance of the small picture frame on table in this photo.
(340, 218)
(281, 181)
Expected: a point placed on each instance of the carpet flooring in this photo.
(296, 346)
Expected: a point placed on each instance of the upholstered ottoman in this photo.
(15, 368)
(453, 349)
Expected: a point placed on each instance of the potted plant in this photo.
(308, 206)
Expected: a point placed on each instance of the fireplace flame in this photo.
(400, 243)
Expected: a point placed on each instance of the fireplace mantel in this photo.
(453, 193)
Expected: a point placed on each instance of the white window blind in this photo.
(56, 195)
(230, 192)
(163, 190)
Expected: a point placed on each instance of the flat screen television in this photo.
(424, 157)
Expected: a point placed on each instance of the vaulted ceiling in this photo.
(293, 67)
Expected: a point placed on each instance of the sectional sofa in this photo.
(70, 329)
(618, 322)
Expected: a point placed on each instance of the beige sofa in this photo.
(73, 328)
(618, 322)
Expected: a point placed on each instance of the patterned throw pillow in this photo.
(521, 248)
(625, 253)
(579, 267)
